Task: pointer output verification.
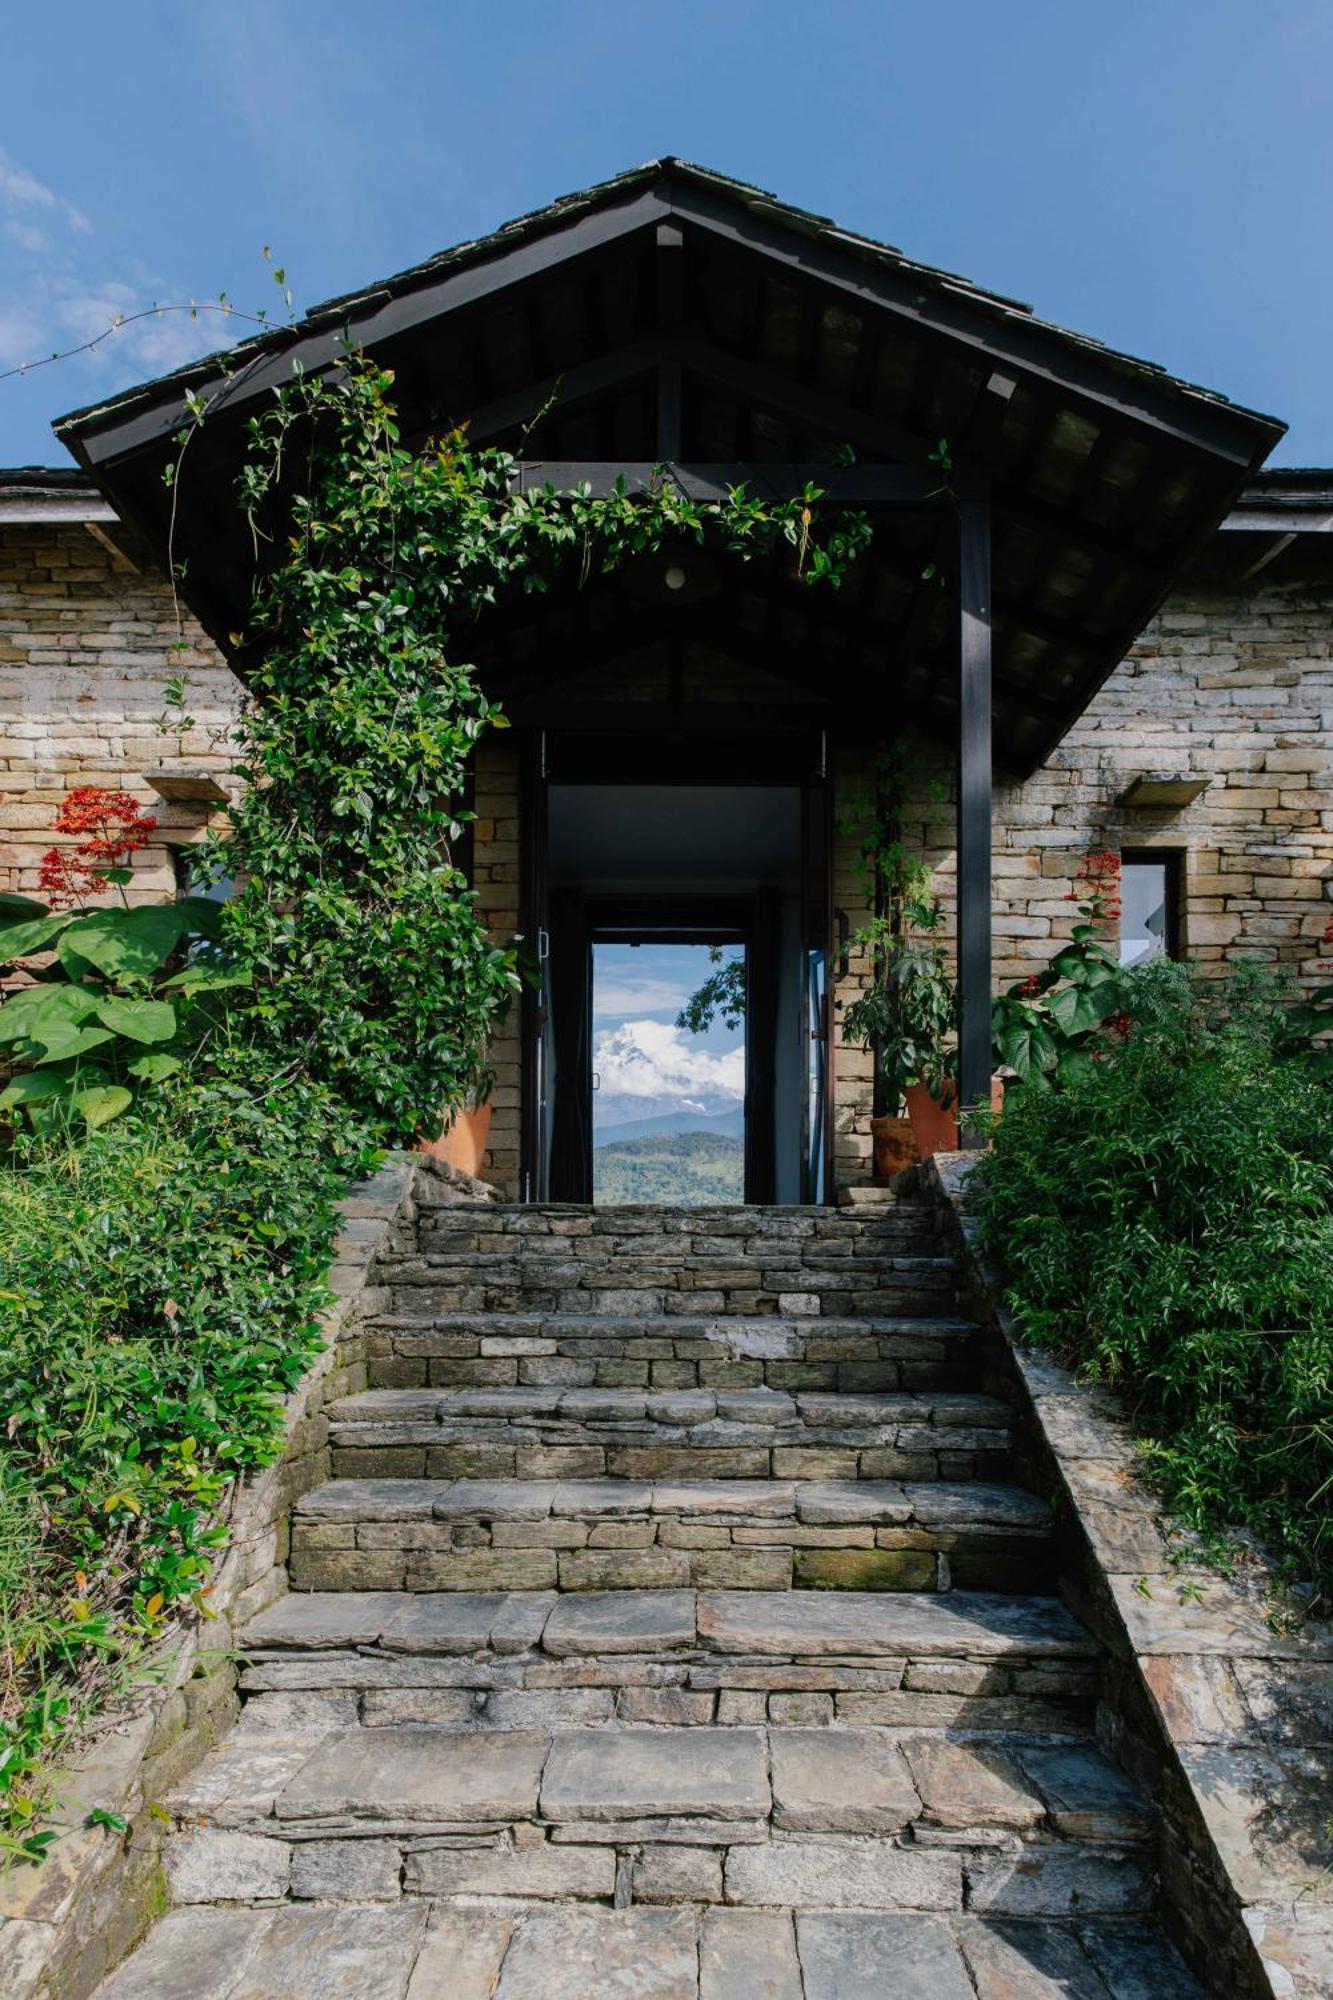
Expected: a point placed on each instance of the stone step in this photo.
(555, 1432)
(776, 1817)
(745, 1222)
(379, 1534)
(410, 1949)
(963, 1661)
(457, 1282)
(674, 1351)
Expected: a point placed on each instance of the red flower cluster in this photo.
(1031, 985)
(113, 829)
(1100, 875)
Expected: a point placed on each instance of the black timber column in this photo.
(974, 808)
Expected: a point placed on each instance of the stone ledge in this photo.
(65, 1925)
(1227, 1720)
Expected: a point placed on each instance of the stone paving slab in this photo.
(633, 1955)
(856, 1623)
(621, 1621)
(425, 1774)
(843, 1780)
(880, 1958)
(748, 1955)
(637, 1773)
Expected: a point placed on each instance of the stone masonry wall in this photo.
(1232, 686)
(86, 645)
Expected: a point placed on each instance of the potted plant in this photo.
(463, 1142)
(908, 1012)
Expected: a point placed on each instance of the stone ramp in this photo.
(361, 1951)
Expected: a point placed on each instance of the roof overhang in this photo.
(783, 338)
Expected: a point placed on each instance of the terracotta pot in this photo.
(934, 1126)
(463, 1142)
(895, 1146)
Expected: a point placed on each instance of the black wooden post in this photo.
(670, 307)
(974, 808)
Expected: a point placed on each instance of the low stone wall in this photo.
(64, 1925)
(1223, 1713)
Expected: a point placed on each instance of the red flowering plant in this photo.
(113, 828)
(104, 1013)
(1050, 1025)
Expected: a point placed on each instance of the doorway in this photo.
(650, 892)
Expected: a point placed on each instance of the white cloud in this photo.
(59, 299)
(624, 993)
(650, 1059)
(21, 192)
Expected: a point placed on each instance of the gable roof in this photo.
(789, 337)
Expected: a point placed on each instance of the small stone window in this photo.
(193, 880)
(1150, 906)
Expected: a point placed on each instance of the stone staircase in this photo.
(672, 1626)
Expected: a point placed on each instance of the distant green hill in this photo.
(685, 1169)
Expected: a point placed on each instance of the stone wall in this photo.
(1235, 686)
(87, 644)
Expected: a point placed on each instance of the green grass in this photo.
(1166, 1222)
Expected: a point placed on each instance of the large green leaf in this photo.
(127, 943)
(104, 1102)
(21, 940)
(20, 909)
(32, 1087)
(35, 1009)
(60, 1044)
(140, 1020)
(1024, 1044)
(1078, 1008)
(153, 1068)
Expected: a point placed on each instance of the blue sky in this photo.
(1157, 175)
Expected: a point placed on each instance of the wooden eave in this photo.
(770, 337)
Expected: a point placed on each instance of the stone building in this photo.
(1140, 664)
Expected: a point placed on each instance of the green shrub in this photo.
(159, 1286)
(1166, 1221)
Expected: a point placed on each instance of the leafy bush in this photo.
(161, 1285)
(105, 1017)
(1166, 1221)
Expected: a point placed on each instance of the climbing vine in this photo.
(371, 962)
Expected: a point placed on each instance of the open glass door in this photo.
(816, 1009)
